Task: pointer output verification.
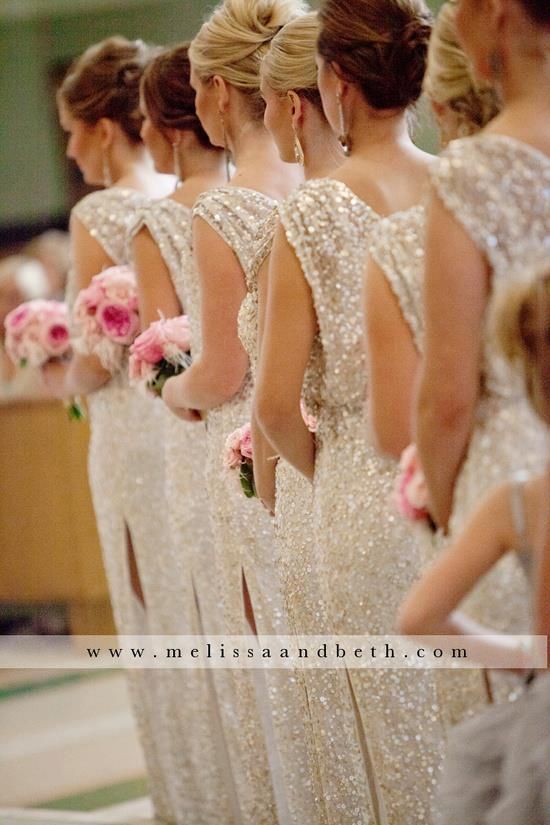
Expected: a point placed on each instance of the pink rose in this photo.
(411, 491)
(17, 318)
(246, 442)
(57, 338)
(118, 322)
(148, 346)
(177, 335)
(232, 458)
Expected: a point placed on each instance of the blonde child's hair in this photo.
(522, 329)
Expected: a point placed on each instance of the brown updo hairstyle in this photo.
(379, 45)
(169, 96)
(522, 329)
(104, 82)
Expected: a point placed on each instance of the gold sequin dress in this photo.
(293, 546)
(498, 189)
(126, 475)
(398, 249)
(242, 531)
(382, 730)
(199, 771)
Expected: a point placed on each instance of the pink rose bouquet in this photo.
(411, 490)
(106, 316)
(238, 455)
(36, 332)
(160, 352)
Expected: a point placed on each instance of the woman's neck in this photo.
(322, 152)
(258, 164)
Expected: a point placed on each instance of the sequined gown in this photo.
(127, 480)
(382, 731)
(398, 249)
(199, 772)
(242, 531)
(498, 189)
(294, 727)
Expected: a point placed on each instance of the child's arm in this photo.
(489, 534)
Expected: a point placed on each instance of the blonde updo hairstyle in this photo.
(289, 65)
(450, 80)
(104, 83)
(234, 40)
(522, 330)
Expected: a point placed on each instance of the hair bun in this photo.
(416, 34)
(263, 18)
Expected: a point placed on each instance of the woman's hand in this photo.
(170, 397)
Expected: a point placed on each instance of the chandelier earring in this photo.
(298, 148)
(226, 150)
(177, 162)
(107, 176)
(343, 137)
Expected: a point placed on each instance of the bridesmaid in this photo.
(392, 303)
(382, 737)
(99, 108)
(162, 256)
(294, 117)
(489, 212)
(225, 60)
(497, 764)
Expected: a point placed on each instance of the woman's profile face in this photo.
(83, 146)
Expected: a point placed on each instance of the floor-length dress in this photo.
(199, 773)
(398, 249)
(126, 476)
(383, 735)
(498, 189)
(243, 535)
(293, 545)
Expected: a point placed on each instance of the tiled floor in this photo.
(68, 751)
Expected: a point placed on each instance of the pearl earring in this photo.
(107, 177)
(226, 150)
(177, 163)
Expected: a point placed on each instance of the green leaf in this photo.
(246, 477)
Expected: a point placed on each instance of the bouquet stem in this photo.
(246, 477)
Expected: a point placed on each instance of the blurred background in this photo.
(68, 740)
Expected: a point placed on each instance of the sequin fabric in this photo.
(398, 249)
(243, 534)
(183, 574)
(498, 189)
(288, 690)
(127, 481)
(382, 734)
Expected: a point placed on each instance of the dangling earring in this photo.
(177, 163)
(298, 149)
(343, 137)
(226, 150)
(107, 177)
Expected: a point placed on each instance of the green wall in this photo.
(32, 185)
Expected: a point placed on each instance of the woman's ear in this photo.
(107, 129)
(222, 93)
(297, 108)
